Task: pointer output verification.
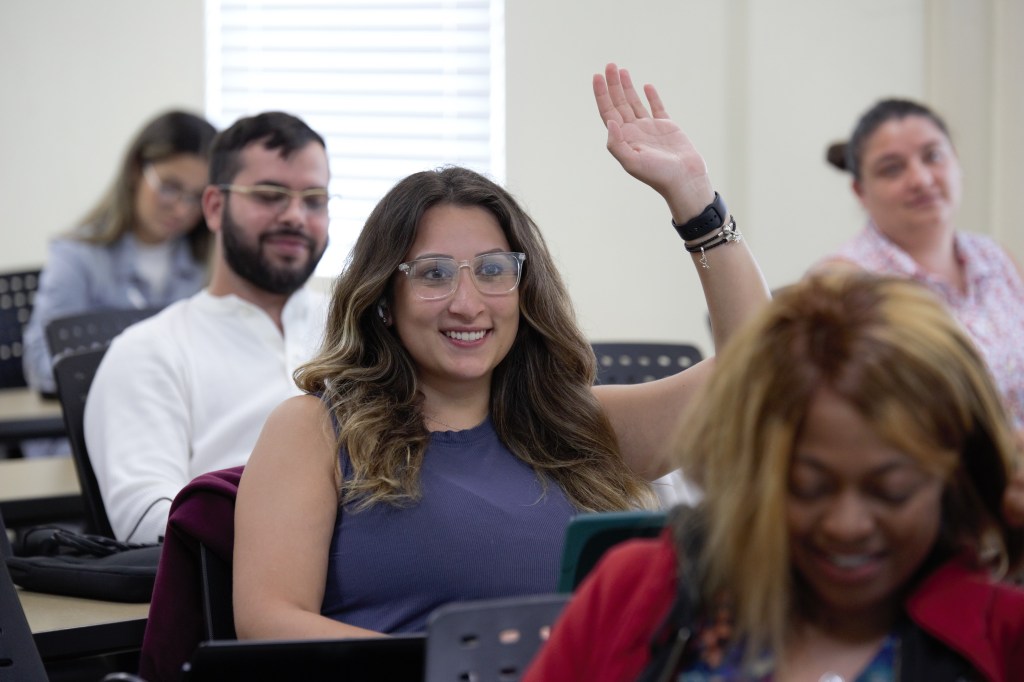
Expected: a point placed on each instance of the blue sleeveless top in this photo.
(482, 529)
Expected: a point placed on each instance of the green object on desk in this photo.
(589, 536)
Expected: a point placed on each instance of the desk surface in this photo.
(25, 414)
(39, 490)
(69, 627)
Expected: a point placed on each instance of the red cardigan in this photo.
(604, 634)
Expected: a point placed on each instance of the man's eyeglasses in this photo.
(171, 192)
(277, 199)
(436, 277)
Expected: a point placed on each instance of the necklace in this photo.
(434, 419)
(830, 677)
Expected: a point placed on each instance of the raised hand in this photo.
(649, 145)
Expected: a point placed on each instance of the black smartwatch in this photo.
(711, 218)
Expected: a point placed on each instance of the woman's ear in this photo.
(858, 189)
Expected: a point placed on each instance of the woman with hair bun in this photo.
(907, 177)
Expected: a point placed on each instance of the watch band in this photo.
(712, 217)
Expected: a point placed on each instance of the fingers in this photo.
(621, 95)
(611, 100)
(633, 100)
(657, 107)
(604, 101)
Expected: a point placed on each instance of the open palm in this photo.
(648, 144)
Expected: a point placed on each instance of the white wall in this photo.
(77, 79)
(762, 86)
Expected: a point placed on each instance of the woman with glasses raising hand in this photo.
(145, 244)
(451, 426)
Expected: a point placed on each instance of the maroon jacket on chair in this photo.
(203, 512)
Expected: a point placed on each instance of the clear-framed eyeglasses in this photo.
(436, 277)
(171, 192)
(275, 198)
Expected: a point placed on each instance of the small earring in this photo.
(384, 312)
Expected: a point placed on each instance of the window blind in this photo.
(394, 87)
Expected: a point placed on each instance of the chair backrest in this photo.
(636, 363)
(74, 373)
(19, 657)
(87, 331)
(589, 536)
(192, 595)
(491, 640)
(17, 296)
(216, 583)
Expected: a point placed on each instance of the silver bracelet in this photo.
(729, 233)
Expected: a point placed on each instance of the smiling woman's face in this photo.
(460, 339)
(861, 515)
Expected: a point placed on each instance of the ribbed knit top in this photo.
(484, 528)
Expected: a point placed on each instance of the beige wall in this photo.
(761, 86)
(77, 79)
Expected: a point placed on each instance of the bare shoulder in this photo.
(298, 430)
(304, 410)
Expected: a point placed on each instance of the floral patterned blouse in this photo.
(991, 308)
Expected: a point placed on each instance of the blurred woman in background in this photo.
(907, 176)
(145, 244)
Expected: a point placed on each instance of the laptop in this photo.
(381, 659)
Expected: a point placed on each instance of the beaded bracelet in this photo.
(729, 233)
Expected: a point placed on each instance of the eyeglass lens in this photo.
(171, 192)
(278, 198)
(493, 274)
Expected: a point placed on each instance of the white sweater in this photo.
(186, 392)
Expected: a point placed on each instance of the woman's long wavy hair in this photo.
(541, 405)
(889, 348)
(167, 135)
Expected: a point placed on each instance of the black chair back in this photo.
(636, 363)
(74, 373)
(19, 657)
(17, 296)
(216, 585)
(489, 640)
(91, 330)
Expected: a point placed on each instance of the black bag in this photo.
(89, 566)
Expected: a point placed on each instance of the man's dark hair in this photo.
(275, 129)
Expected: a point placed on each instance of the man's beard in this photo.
(248, 262)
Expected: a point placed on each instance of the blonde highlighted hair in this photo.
(889, 348)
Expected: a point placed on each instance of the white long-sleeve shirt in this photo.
(186, 392)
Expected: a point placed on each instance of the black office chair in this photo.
(19, 658)
(87, 331)
(489, 640)
(17, 296)
(636, 363)
(216, 583)
(74, 373)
